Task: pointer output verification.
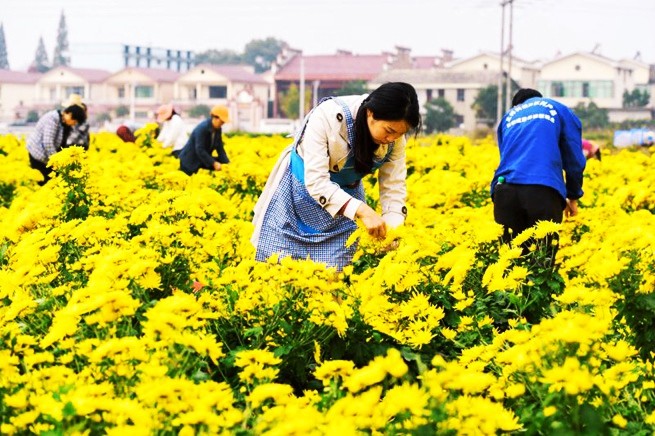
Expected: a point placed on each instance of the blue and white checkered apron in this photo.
(296, 225)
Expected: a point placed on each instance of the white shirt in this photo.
(173, 133)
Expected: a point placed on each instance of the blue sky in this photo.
(541, 28)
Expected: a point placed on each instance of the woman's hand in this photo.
(217, 166)
(372, 221)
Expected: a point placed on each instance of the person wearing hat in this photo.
(79, 134)
(50, 135)
(590, 149)
(172, 131)
(206, 138)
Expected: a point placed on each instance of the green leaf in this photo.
(69, 410)
(200, 376)
(253, 331)
(282, 351)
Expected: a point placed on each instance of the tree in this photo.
(40, 62)
(636, 98)
(485, 105)
(32, 116)
(122, 111)
(591, 116)
(199, 111)
(290, 99)
(354, 87)
(643, 97)
(61, 57)
(4, 62)
(261, 53)
(218, 57)
(102, 117)
(440, 115)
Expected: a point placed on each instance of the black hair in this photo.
(77, 113)
(524, 94)
(392, 101)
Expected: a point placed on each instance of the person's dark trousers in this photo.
(519, 207)
(186, 170)
(176, 153)
(42, 168)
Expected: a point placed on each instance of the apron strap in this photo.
(350, 125)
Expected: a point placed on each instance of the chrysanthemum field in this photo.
(130, 303)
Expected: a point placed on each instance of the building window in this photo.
(460, 95)
(557, 89)
(441, 93)
(144, 91)
(428, 95)
(577, 88)
(79, 90)
(218, 92)
(121, 92)
(585, 89)
(603, 89)
(459, 120)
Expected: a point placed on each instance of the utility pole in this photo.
(508, 89)
(499, 100)
(301, 104)
(500, 108)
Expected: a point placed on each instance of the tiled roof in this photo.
(157, 74)
(234, 73)
(20, 77)
(334, 67)
(425, 62)
(91, 75)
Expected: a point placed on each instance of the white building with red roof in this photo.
(54, 86)
(253, 98)
(246, 94)
(139, 89)
(17, 93)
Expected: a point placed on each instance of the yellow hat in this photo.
(73, 100)
(221, 112)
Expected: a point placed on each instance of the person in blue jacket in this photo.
(540, 141)
(206, 138)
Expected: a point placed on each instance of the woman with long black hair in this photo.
(314, 194)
